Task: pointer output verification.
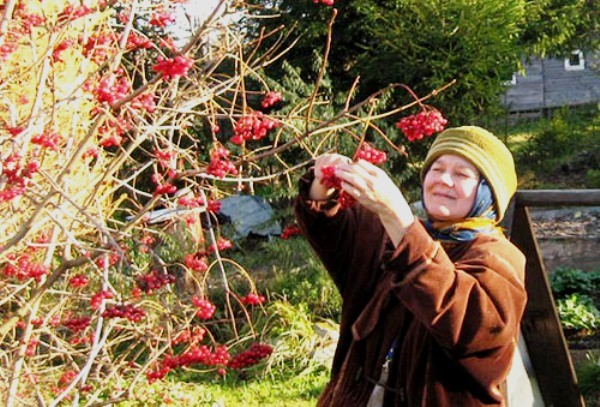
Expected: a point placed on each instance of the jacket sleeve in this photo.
(347, 242)
(469, 306)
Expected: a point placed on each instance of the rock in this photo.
(250, 214)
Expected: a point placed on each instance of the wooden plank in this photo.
(541, 327)
(558, 197)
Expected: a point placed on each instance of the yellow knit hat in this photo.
(486, 152)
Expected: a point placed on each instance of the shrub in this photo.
(578, 312)
(565, 281)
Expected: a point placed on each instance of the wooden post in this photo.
(541, 328)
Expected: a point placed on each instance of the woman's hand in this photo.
(318, 191)
(376, 191)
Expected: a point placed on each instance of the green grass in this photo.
(270, 390)
(560, 151)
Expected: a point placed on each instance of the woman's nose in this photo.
(446, 178)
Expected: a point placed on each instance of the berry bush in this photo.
(119, 139)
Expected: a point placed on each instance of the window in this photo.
(575, 61)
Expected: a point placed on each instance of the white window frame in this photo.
(577, 67)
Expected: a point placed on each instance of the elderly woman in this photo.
(431, 308)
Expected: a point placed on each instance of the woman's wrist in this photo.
(396, 223)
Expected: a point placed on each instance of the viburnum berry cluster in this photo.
(270, 99)
(213, 206)
(77, 324)
(371, 154)
(206, 309)
(48, 140)
(112, 88)
(173, 67)
(220, 165)
(128, 311)
(330, 180)
(254, 126)
(197, 262)
(162, 19)
(79, 281)
(23, 268)
(250, 356)
(16, 176)
(98, 298)
(289, 231)
(422, 124)
(196, 355)
(253, 299)
(154, 280)
(162, 187)
(221, 244)
(191, 336)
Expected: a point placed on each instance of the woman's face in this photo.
(450, 187)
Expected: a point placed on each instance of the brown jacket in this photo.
(455, 311)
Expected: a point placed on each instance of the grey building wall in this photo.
(547, 84)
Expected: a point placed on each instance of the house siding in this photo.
(547, 84)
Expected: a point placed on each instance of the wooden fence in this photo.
(541, 328)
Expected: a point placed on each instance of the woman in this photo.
(431, 309)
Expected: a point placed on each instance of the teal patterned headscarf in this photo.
(481, 219)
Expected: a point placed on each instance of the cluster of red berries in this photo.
(60, 48)
(16, 176)
(107, 259)
(23, 268)
(128, 311)
(270, 99)
(250, 356)
(73, 12)
(165, 157)
(137, 41)
(423, 124)
(201, 354)
(98, 298)
(191, 336)
(32, 347)
(220, 165)
(329, 179)
(6, 50)
(290, 231)
(154, 280)
(371, 154)
(162, 19)
(49, 140)
(112, 131)
(162, 188)
(253, 299)
(324, 2)
(144, 102)
(174, 67)
(79, 281)
(99, 46)
(221, 244)
(255, 126)
(77, 324)
(111, 89)
(196, 262)
(213, 206)
(206, 309)
(27, 19)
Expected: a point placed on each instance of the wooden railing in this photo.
(541, 328)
